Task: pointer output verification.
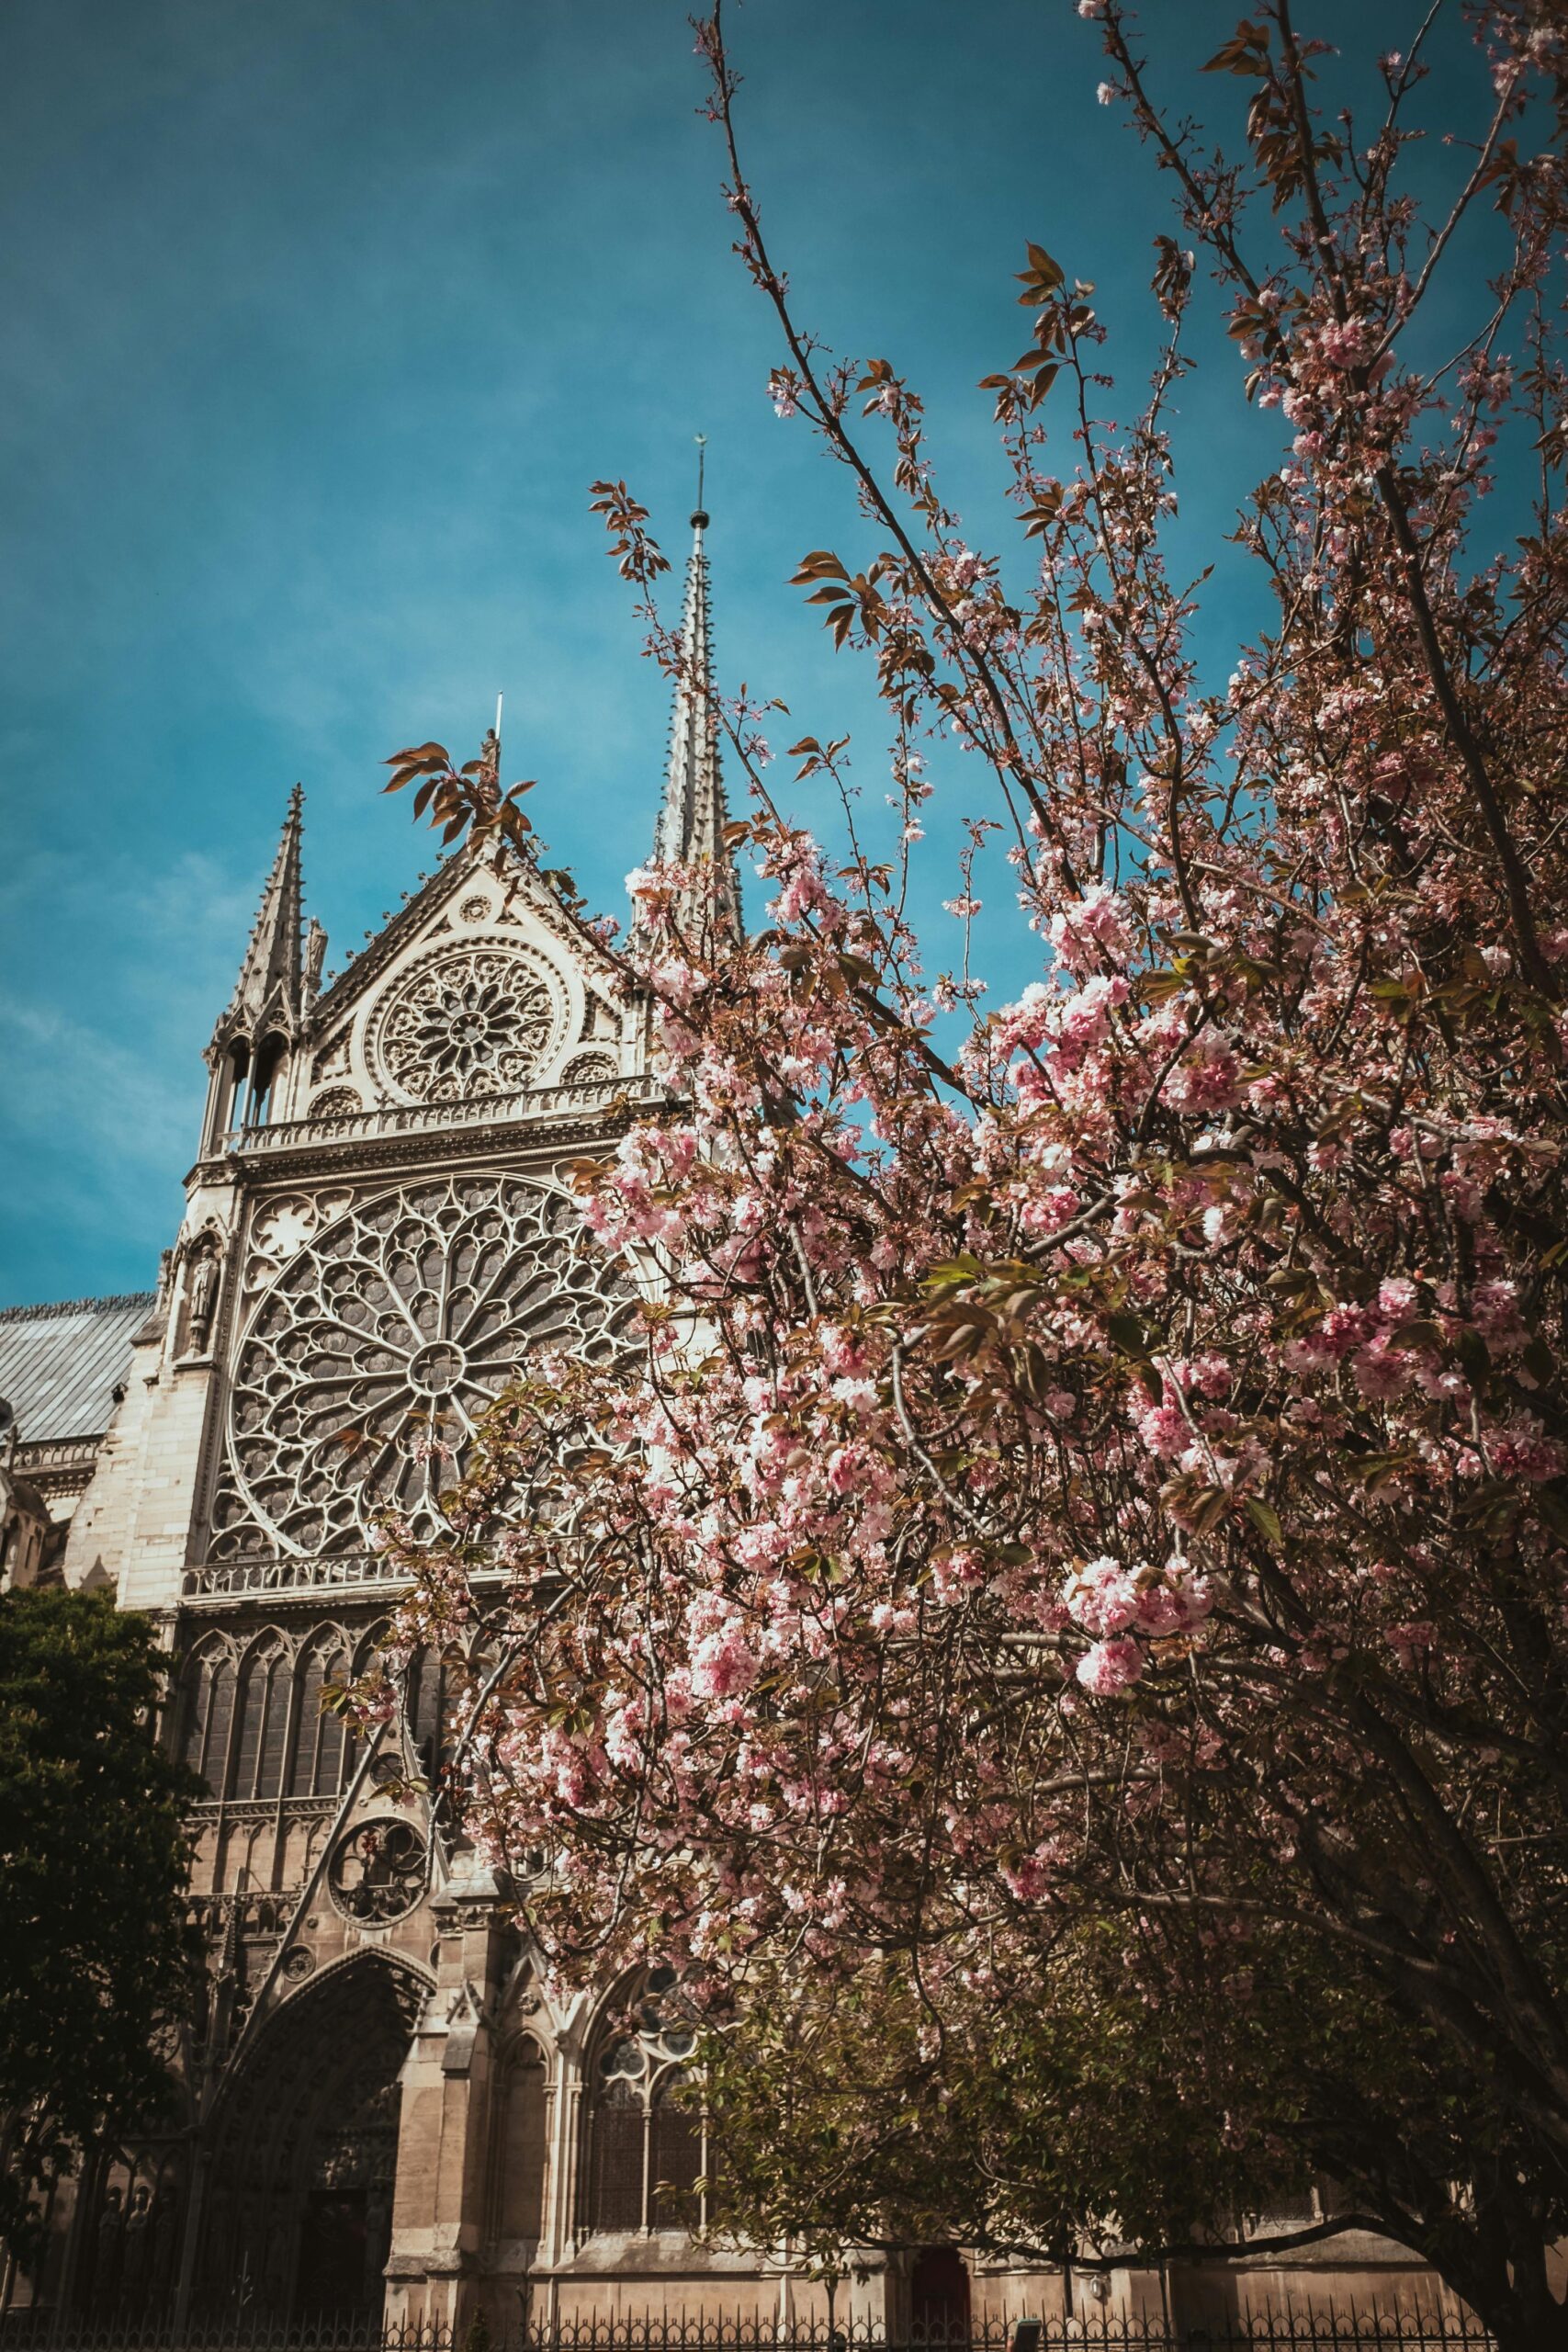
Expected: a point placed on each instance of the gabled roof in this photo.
(60, 1364)
(410, 919)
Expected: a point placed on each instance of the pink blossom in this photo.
(1207, 1078)
(1111, 1666)
(1382, 1373)
(723, 1662)
(1090, 927)
(1163, 1430)
(1102, 1597)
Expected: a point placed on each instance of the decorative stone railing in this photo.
(59, 1464)
(529, 1103)
(333, 1572)
(230, 1580)
(253, 1911)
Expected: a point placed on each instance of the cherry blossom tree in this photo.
(1095, 1467)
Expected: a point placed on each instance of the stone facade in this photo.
(382, 2098)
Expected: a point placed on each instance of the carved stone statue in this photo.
(315, 956)
(203, 1297)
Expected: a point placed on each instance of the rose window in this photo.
(371, 1359)
(476, 1021)
(377, 1872)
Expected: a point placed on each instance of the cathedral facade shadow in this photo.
(298, 2202)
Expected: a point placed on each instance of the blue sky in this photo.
(316, 320)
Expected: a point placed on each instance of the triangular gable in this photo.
(487, 933)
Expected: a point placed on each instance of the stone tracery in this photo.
(473, 1021)
(646, 2146)
(377, 1872)
(369, 1360)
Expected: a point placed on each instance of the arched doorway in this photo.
(300, 2202)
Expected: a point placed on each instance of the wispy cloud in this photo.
(70, 1083)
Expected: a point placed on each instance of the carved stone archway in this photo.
(298, 2205)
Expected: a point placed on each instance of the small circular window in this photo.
(377, 1871)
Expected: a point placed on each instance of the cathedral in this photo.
(384, 2110)
(381, 2099)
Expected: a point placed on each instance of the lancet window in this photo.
(270, 1056)
(236, 1082)
(250, 1721)
(263, 1723)
(647, 2136)
(321, 1742)
(433, 1683)
(208, 1712)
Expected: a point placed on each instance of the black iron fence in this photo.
(1097, 2331)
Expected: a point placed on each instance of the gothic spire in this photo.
(693, 817)
(270, 989)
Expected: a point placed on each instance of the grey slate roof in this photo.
(60, 1366)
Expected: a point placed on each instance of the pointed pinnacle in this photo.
(270, 983)
(692, 815)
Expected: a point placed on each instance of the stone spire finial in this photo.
(693, 817)
(270, 989)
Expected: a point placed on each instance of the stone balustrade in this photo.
(528, 1104)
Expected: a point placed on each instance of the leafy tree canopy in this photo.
(99, 1963)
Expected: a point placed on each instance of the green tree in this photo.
(1143, 2088)
(100, 1962)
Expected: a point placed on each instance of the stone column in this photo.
(563, 2170)
(434, 2273)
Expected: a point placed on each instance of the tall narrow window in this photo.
(431, 1695)
(618, 2189)
(263, 1726)
(239, 1073)
(647, 2145)
(675, 2162)
(208, 1714)
(269, 1063)
(316, 1768)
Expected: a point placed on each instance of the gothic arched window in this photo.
(207, 1713)
(236, 1078)
(617, 2188)
(321, 1742)
(434, 1680)
(263, 1723)
(676, 2155)
(647, 2135)
(270, 1056)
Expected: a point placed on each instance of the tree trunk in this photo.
(1513, 2301)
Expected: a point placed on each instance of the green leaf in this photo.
(1265, 1518)
(1127, 1333)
